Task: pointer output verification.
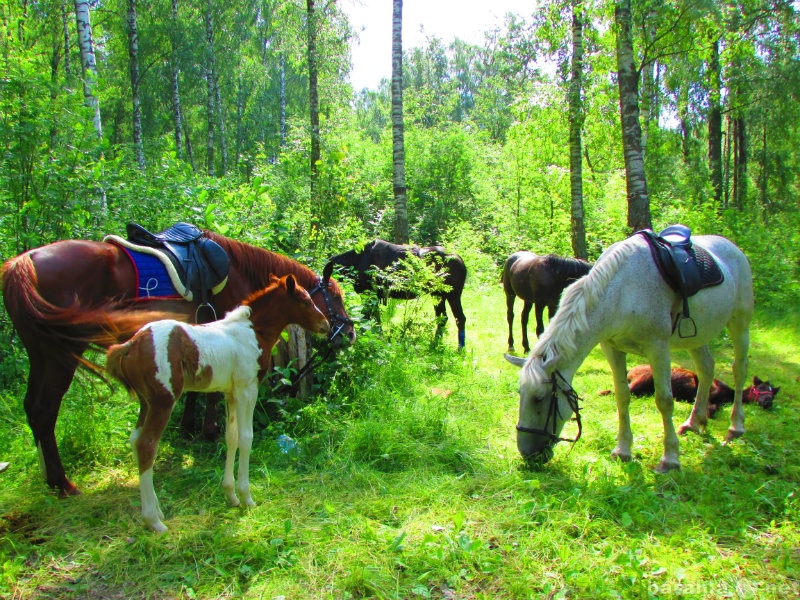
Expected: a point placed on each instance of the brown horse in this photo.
(168, 357)
(47, 292)
(538, 281)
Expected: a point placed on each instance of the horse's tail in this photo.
(75, 325)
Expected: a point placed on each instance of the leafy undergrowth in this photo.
(406, 483)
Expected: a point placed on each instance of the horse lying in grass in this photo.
(684, 388)
(168, 357)
(538, 281)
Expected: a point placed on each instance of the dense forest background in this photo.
(198, 110)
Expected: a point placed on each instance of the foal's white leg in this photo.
(704, 364)
(245, 407)
(622, 394)
(662, 380)
(232, 442)
(741, 345)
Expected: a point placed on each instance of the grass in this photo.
(408, 485)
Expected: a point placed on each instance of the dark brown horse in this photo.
(48, 290)
(385, 256)
(538, 281)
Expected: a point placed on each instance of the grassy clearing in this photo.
(408, 485)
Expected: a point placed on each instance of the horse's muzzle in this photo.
(535, 449)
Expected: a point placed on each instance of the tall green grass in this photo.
(406, 483)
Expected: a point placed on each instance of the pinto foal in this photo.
(166, 358)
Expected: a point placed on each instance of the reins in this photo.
(337, 322)
(554, 413)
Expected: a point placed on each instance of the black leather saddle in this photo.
(201, 263)
(686, 268)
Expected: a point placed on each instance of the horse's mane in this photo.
(567, 267)
(577, 302)
(256, 264)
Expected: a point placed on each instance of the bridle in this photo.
(337, 321)
(559, 384)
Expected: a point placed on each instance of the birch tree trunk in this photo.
(223, 142)
(176, 96)
(398, 135)
(578, 228)
(210, 96)
(88, 63)
(715, 123)
(628, 80)
(313, 94)
(133, 55)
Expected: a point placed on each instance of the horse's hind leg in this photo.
(454, 299)
(154, 414)
(510, 319)
(48, 380)
(741, 345)
(524, 318)
(704, 365)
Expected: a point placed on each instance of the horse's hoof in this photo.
(622, 456)
(68, 489)
(157, 527)
(665, 466)
(732, 435)
(690, 426)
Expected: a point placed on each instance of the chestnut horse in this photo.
(538, 281)
(47, 291)
(684, 388)
(166, 358)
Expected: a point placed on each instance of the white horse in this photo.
(626, 306)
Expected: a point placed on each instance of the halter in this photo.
(337, 321)
(554, 413)
(755, 395)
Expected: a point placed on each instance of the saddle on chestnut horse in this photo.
(197, 265)
(686, 268)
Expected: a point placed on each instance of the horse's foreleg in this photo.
(704, 365)
(622, 394)
(154, 414)
(232, 443)
(441, 316)
(662, 382)
(741, 344)
(48, 381)
(245, 408)
(524, 318)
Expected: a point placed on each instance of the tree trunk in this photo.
(398, 135)
(313, 95)
(739, 163)
(715, 123)
(133, 56)
(282, 93)
(578, 228)
(628, 80)
(210, 96)
(176, 96)
(223, 141)
(65, 26)
(88, 64)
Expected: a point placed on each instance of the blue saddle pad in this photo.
(152, 279)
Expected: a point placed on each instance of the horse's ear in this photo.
(327, 272)
(757, 381)
(514, 360)
(291, 282)
(274, 278)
